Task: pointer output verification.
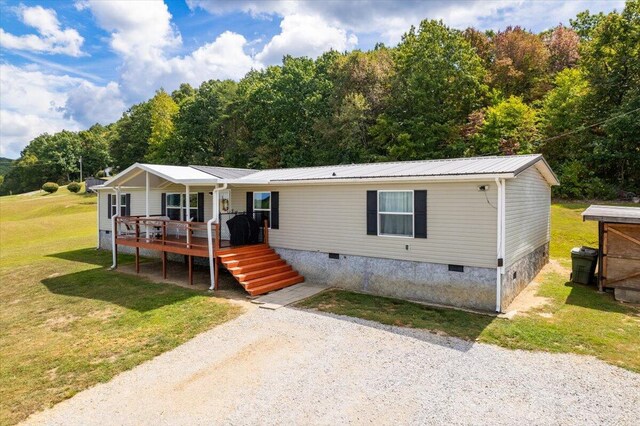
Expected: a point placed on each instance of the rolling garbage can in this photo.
(583, 264)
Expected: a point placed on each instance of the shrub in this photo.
(50, 187)
(74, 187)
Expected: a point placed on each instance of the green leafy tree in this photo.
(439, 80)
(130, 142)
(184, 92)
(162, 109)
(205, 126)
(508, 128)
(95, 149)
(281, 106)
(611, 65)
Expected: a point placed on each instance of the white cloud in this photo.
(34, 102)
(389, 19)
(51, 39)
(88, 104)
(143, 35)
(139, 29)
(304, 35)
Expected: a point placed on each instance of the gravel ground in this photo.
(302, 367)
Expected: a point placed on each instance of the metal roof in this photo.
(225, 172)
(507, 165)
(176, 174)
(612, 214)
(449, 169)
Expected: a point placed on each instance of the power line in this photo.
(588, 127)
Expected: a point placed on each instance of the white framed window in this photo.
(123, 205)
(395, 214)
(262, 207)
(177, 206)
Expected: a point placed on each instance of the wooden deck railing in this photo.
(159, 230)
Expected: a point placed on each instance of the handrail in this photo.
(161, 228)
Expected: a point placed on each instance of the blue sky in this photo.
(67, 65)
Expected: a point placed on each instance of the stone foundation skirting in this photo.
(522, 272)
(429, 282)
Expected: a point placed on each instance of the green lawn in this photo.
(577, 318)
(66, 321)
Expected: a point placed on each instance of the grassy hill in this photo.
(67, 322)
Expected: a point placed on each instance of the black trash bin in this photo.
(583, 264)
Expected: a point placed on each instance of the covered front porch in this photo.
(169, 211)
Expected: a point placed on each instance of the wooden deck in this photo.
(257, 267)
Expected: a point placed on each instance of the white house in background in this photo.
(468, 232)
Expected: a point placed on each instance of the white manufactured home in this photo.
(468, 232)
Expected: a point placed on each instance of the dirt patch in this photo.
(60, 322)
(528, 300)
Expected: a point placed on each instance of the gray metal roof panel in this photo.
(446, 167)
(621, 214)
(225, 172)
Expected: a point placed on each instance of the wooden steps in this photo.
(259, 269)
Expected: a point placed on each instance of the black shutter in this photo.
(200, 217)
(250, 204)
(109, 206)
(372, 212)
(275, 209)
(420, 214)
(163, 204)
(127, 201)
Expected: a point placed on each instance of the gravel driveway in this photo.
(289, 366)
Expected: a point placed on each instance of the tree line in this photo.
(571, 93)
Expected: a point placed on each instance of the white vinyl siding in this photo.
(155, 202)
(528, 202)
(332, 219)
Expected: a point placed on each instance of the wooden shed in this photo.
(619, 249)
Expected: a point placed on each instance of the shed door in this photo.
(622, 255)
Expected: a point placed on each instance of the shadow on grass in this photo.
(587, 296)
(414, 318)
(92, 257)
(124, 290)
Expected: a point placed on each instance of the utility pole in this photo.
(81, 169)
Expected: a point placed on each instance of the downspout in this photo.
(146, 204)
(500, 228)
(114, 229)
(98, 220)
(210, 222)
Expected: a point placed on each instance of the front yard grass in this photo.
(67, 322)
(576, 318)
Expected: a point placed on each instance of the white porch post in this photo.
(188, 204)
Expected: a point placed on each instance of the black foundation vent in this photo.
(456, 268)
(334, 255)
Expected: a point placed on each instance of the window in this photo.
(177, 206)
(123, 205)
(262, 207)
(395, 213)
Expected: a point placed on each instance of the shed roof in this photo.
(619, 214)
(507, 166)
